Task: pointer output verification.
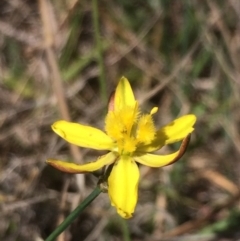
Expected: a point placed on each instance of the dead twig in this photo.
(58, 89)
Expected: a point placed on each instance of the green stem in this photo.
(97, 37)
(74, 214)
(125, 229)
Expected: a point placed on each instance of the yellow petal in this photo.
(177, 129)
(124, 95)
(152, 160)
(70, 167)
(170, 133)
(123, 186)
(81, 135)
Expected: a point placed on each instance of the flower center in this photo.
(129, 128)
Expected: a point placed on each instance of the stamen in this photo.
(146, 130)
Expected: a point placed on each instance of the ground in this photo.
(182, 56)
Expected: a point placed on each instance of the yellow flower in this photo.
(130, 137)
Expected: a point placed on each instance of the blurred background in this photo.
(182, 56)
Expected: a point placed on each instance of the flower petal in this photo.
(170, 133)
(81, 135)
(70, 167)
(152, 160)
(124, 95)
(177, 129)
(123, 186)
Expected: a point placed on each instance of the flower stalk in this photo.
(74, 214)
